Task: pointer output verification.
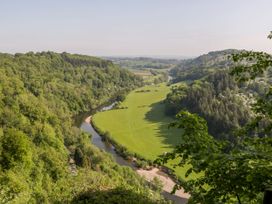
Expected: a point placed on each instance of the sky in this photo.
(135, 27)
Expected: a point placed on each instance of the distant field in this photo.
(142, 73)
(142, 127)
(147, 75)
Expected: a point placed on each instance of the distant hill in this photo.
(212, 59)
(198, 67)
(210, 91)
(144, 62)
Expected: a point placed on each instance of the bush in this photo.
(15, 149)
(141, 164)
(157, 184)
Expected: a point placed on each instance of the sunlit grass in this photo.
(142, 127)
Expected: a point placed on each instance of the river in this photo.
(97, 141)
(180, 197)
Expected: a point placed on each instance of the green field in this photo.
(147, 76)
(143, 127)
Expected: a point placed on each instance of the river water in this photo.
(87, 127)
(97, 141)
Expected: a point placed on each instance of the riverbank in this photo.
(139, 128)
(88, 119)
(167, 182)
(140, 123)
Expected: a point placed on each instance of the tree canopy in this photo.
(39, 144)
(230, 171)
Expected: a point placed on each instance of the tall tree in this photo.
(231, 172)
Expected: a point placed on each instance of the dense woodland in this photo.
(196, 68)
(217, 98)
(210, 91)
(40, 146)
(225, 122)
(39, 94)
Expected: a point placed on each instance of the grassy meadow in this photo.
(145, 74)
(142, 126)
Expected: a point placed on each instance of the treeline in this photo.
(82, 81)
(39, 94)
(213, 94)
(217, 98)
(159, 77)
(194, 69)
(144, 62)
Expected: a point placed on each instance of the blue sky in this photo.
(135, 27)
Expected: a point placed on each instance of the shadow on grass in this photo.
(171, 136)
(113, 196)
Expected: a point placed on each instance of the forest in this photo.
(39, 95)
(144, 62)
(45, 158)
(209, 90)
(224, 116)
(196, 68)
(136, 102)
(217, 98)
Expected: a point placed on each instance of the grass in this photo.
(143, 127)
(145, 74)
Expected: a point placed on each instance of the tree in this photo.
(232, 171)
(79, 157)
(15, 149)
(270, 35)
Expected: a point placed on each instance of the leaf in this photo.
(249, 178)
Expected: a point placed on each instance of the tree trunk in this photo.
(238, 198)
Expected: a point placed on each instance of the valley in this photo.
(139, 124)
(134, 130)
(136, 102)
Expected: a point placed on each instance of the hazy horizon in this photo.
(130, 28)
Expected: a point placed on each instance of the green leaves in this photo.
(250, 65)
(236, 171)
(241, 170)
(217, 98)
(270, 35)
(15, 149)
(39, 94)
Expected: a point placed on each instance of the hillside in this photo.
(144, 62)
(198, 67)
(211, 92)
(217, 98)
(39, 94)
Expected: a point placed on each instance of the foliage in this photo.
(233, 171)
(144, 63)
(15, 149)
(217, 98)
(157, 183)
(251, 64)
(143, 125)
(270, 35)
(39, 94)
(197, 68)
(118, 195)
